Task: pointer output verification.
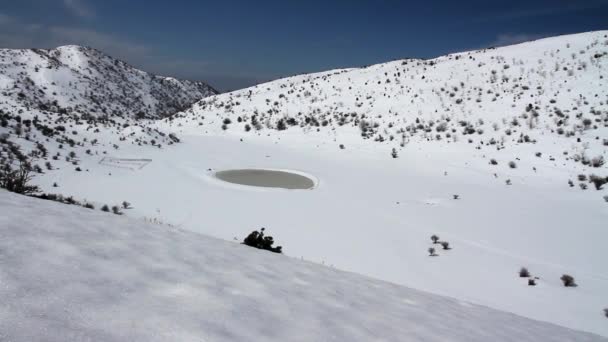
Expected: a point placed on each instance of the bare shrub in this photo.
(598, 181)
(18, 180)
(597, 161)
(568, 280)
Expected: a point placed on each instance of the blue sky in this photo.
(232, 44)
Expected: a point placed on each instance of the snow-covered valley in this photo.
(396, 158)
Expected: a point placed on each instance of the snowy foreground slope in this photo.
(80, 80)
(71, 274)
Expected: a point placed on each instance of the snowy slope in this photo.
(80, 80)
(547, 92)
(370, 213)
(70, 274)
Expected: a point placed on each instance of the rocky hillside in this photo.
(75, 79)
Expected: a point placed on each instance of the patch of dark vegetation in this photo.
(568, 280)
(259, 240)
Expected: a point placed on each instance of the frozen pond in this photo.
(266, 178)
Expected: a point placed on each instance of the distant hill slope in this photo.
(551, 91)
(73, 274)
(75, 79)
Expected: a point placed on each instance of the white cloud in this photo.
(79, 8)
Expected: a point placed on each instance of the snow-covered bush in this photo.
(597, 161)
(568, 280)
(598, 181)
(116, 210)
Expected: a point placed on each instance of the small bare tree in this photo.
(18, 180)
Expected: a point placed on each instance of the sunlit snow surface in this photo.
(72, 274)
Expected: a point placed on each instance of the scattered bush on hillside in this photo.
(126, 205)
(432, 251)
(18, 181)
(116, 210)
(105, 208)
(434, 238)
(445, 245)
(598, 181)
(512, 164)
(606, 312)
(524, 273)
(258, 240)
(531, 281)
(568, 280)
(597, 161)
(493, 162)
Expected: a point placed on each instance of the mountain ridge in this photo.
(83, 80)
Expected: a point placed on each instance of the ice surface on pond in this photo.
(266, 178)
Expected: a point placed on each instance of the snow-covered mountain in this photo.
(72, 274)
(548, 92)
(81, 80)
(499, 152)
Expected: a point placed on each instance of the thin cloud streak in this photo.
(79, 8)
